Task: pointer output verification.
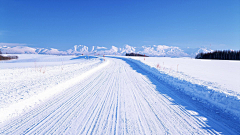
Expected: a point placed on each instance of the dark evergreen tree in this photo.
(135, 54)
(221, 55)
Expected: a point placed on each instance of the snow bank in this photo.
(203, 91)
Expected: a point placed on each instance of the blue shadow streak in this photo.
(84, 57)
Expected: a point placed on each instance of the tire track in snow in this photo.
(115, 100)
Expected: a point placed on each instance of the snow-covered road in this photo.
(120, 99)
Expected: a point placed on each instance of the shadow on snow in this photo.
(84, 57)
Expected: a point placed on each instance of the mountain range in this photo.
(149, 50)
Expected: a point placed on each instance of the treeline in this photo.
(135, 54)
(221, 55)
(7, 57)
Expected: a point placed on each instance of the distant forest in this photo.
(7, 57)
(135, 54)
(220, 55)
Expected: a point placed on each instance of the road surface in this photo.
(119, 99)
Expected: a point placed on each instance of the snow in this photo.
(214, 81)
(49, 94)
(18, 49)
(32, 76)
(128, 49)
(114, 49)
(98, 47)
(212, 71)
(162, 50)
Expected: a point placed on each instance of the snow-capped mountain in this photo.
(17, 49)
(163, 50)
(192, 52)
(154, 50)
(128, 49)
(29, 50)
(85, 50)
(149, 50)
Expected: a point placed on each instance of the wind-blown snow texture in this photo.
(149, 50)
(89, 95)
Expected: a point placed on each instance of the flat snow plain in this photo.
(224, 74)
(45, 94)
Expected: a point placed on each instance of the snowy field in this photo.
(49, 94)
(222, 74)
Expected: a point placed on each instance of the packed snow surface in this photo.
(92, 95)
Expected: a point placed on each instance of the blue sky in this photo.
(62, 24)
